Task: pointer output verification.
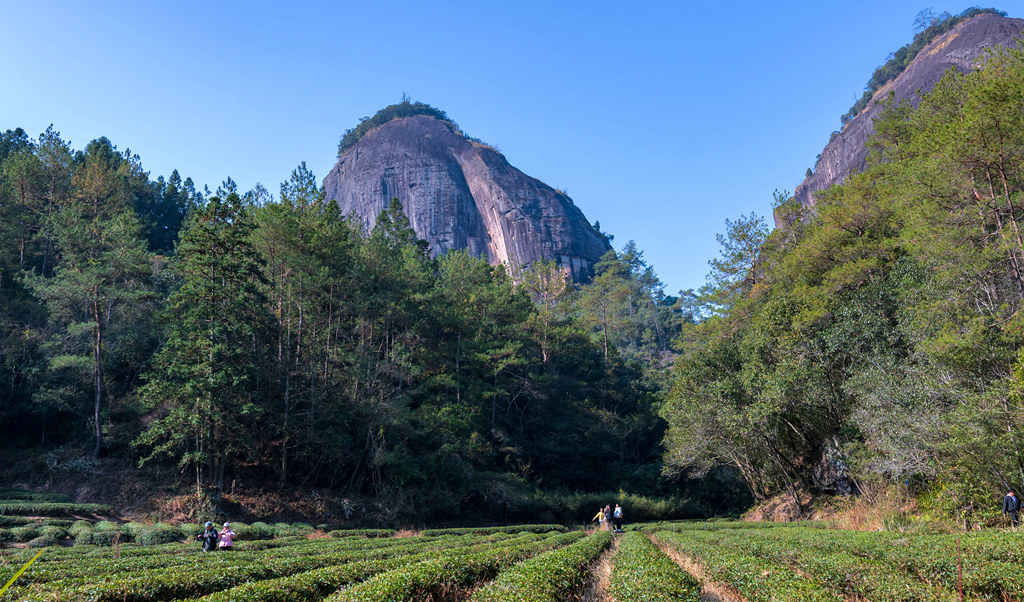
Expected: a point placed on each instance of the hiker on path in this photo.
(226, 537)
(617, 515)
(599, 517)
(1011, 506)
(209, 538)
(608, 516)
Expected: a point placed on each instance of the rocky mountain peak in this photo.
(960, 47)
(461, 194)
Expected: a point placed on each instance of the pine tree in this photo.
(206, 379)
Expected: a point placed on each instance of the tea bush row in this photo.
(31, 508)
(548, 577)
(505, 529)
(754, 578)
(452, 570)
(643, 573)
(196, 574)
(851, 575)
(317, 583)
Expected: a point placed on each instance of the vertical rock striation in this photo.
(462, 195)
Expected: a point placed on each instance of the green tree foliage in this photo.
(205, 384)
(406, 108)
(887, 321)
(272, 340)
(102, 271)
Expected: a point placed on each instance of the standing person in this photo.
(209, 537)
(599, 517)
(617, 515)
(1011, 506)
(608, 516)
(227, 537)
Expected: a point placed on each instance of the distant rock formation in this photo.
(460, 194)
(959, 47)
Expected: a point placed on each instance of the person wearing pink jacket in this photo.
(227, 537)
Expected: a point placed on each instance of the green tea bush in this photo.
(361, 533)
(29, 508)
(189, 531)
(450, 570)
(9, 494)
(157, 534)
(506, 529)
(25, 533)
(756, 579)
(58, 522)
(15, 521)
(291, 530)
(80, 527)
(53, 531)
(44, 541)
(98, 537)
(642, 573)
(255, 531)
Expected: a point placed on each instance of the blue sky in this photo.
(660, 119)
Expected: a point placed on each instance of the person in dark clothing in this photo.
(617, 516)
(209, 537)
(1011, 506)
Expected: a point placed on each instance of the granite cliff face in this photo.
(462, 195)
(959, 47)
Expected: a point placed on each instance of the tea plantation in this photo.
(101, 560)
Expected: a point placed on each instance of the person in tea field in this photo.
(617, 516)
(608, 516)
(599, 517)
(227, 537)
(1011, 506)
(209, 537)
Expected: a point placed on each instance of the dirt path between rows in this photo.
(596, 587)
(713, 592)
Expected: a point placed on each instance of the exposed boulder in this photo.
(460, 194)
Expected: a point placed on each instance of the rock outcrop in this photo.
(959, 47)
(460, 194)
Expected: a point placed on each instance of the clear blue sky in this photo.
(660, 119)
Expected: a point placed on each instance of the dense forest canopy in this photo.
(878, 339)
(241, 338)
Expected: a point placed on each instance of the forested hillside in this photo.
(882, 332)
(220, 339)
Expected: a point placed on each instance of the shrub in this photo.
(286, 530)
(99, 538)
(158, 534)
(361, 533)
(80, 527)
(15, 521)
(191, 530)
(255, 531)
(44, 541)
(53, 531)
(25, 533)
(51, 508)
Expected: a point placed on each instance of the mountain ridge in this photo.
(846, 153)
